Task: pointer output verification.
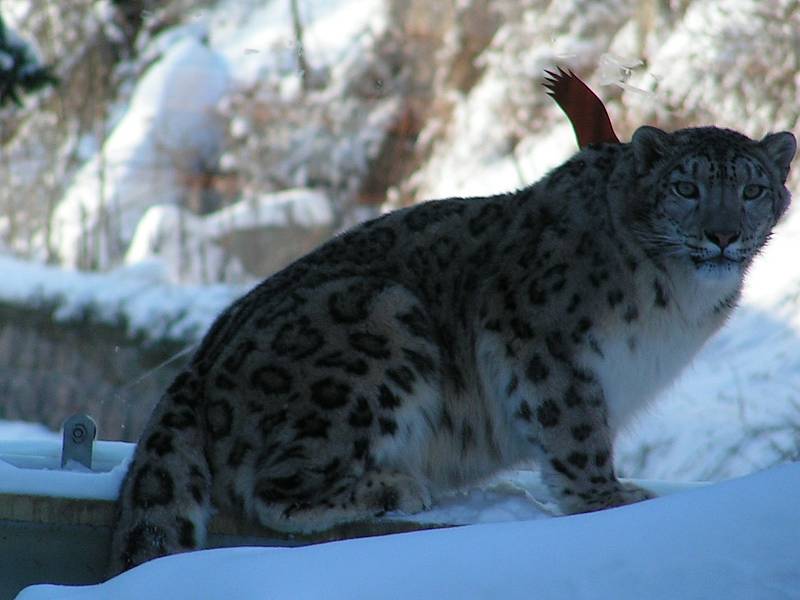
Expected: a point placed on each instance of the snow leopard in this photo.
(432, 347)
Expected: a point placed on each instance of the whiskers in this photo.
(667, 244)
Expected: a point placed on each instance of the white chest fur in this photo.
(642, 358)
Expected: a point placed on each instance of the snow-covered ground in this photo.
(736, 540)
(24, 431)
(140, 294)
(733, 540)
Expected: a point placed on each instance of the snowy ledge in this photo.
(735, 540)
(732, 540)
(137, 299)
(32, 468)
(33, 488)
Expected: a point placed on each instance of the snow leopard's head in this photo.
(712, 195)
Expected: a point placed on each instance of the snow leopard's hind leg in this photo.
(355, 499)
(164, 503)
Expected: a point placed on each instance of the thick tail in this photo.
(585, 111)
(164, 502)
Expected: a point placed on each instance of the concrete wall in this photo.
(66, 541)
(51, 369)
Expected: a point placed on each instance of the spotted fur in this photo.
(434, 346)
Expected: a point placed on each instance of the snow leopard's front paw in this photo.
(615, 494)
(636, 493)
(389, 492)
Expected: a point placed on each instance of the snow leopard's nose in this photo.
(722, 238)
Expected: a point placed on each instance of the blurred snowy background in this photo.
(192, 147)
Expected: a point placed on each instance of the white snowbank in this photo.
(169, 131)
(140, 294)
(736, 540)
(22, 430)
(34, 468)
(303, 207)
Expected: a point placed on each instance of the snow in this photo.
(169, 132)
(258, 39)
(189, 256)
(478, 161)
(139, 295)
(33, 467)
(22, 430)
(735, 540)
(304, 207)
(30, 463)
(196, 256)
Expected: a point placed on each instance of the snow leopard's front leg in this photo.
(559, 410)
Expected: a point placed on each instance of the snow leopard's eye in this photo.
(686, 189)
(752, 191)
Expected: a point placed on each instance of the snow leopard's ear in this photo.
(649, 144)
(780, 147)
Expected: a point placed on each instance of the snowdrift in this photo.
(733, 540)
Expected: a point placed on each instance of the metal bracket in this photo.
(79, 433)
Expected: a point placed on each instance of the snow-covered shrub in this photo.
(169, 129)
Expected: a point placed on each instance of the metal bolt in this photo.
(79, 433)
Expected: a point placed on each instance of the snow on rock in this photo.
(204, 249)
(176, 238)
(735, 540)
(169, 132)
(298, 207)
(138, 295)
(258, 39)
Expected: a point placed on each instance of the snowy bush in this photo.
(169, 130)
